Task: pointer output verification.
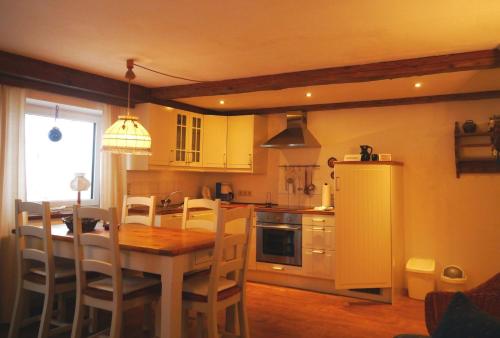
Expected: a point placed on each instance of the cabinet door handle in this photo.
(322, 252)
(278, 268)
(318, 228)
(319, 220)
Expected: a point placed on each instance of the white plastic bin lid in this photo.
(421, 265)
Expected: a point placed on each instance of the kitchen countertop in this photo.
(258, 207)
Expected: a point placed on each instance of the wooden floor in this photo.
(276, 312)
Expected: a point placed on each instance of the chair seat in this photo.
(195, 288)
(63, 274)
(132, 287)
(61, 271)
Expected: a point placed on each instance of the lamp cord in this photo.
(168, 75)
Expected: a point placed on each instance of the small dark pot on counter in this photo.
(469, 127)
(88, 224)
(374, 157)
(366, 152)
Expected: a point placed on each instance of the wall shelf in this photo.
(481, 160)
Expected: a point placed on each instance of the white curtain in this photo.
(12, 186)
(113, 167)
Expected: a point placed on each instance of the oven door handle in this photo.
(279, 227)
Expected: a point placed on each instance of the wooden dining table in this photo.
(168, 253)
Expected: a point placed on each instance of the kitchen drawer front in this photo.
(319, 263)
(318, 237)
(203, 257)
(171, 221)
(318, 220)
(279, 268)
(206, 215)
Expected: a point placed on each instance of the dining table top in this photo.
(149, 239)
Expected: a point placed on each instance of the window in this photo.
(50, 166)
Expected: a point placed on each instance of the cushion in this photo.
(463, 319)
(195, 287)
(129, 284)
(132, 287)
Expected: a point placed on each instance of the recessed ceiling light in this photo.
(418, 84)
(309, 94)
(169, 108)
(221, 102)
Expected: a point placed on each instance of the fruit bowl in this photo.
(88, 224)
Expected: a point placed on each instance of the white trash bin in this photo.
(420, 273)
(453, 279)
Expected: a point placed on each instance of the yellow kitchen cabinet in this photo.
(175, 135)
(160, 122)
(214, 141)
(188, 131)
(368, 225)
(318, 263)
(245, 134)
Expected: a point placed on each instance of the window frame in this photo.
(74, 113)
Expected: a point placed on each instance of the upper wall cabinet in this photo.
(233, 143)
(190, 141)
(187, 150)
(214, 141)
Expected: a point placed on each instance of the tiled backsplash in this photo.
(161, 183)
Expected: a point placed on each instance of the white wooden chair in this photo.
(115, 293)
(207, 221)
(150, 202)
(49, 280)
(223, 287)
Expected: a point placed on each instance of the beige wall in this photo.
(455, 221)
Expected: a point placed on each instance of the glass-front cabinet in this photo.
(188, 130)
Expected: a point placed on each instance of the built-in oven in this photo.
(279, 238)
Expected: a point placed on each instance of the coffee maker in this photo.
(224, 191)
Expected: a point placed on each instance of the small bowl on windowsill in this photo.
(88, 224)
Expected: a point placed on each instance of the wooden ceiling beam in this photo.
(21, 71)
(185, 106)
(483, 59)
(25, 68)
(494, 94)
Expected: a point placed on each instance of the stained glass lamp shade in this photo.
(127, 136)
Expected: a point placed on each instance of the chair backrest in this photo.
(207, 221)
(42, 233)
(85, 243)
(139, 200)
(231, 250)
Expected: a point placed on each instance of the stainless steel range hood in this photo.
(296, 134)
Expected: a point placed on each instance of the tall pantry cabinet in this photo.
(369, 226)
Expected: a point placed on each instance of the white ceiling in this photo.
(216, 39)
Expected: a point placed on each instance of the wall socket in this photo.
(244, 193)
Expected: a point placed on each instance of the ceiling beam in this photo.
(494, 94)
(51, 88)
(185, 106)
(21, 71)
(483, 59)
(25, 68)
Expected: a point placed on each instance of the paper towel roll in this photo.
(325, 195)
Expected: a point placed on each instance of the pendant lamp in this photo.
(127, 135)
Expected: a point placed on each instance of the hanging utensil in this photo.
(55, 134)
(306, 185)
(311, 187)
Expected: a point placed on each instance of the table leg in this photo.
(171, 297)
